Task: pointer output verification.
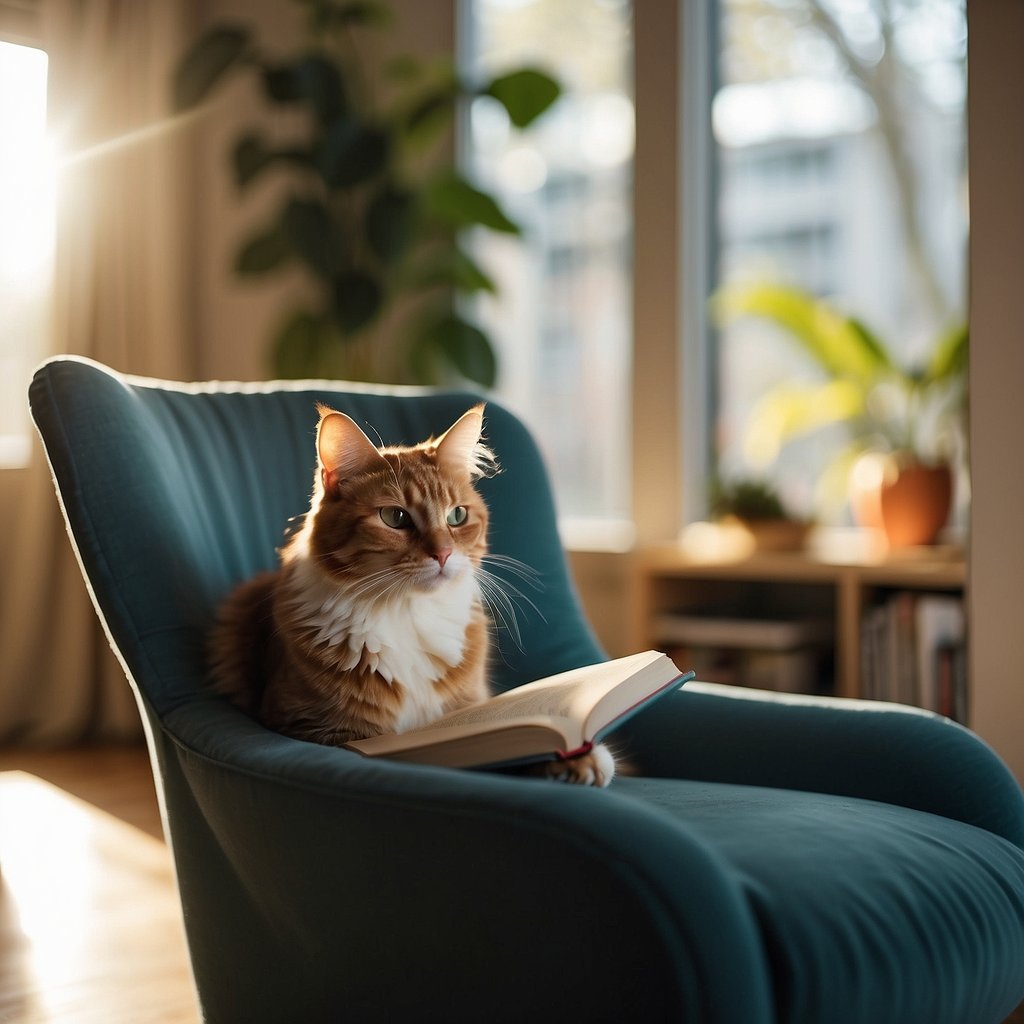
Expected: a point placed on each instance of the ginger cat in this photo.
(375, 621)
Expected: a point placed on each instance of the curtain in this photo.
(120, 298)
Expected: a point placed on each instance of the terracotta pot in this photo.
(865, 488)
(914, 502)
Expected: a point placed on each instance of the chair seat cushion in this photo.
(869, 912)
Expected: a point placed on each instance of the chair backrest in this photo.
(174, 493)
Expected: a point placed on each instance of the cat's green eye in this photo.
(458, 515)
(395, 517)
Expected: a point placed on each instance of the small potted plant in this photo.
(754, 507)
(904, 419)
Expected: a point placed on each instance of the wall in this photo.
(996, 580)
(603, 583)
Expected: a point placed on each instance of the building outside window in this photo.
(561, 322)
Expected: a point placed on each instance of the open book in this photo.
(558, 717)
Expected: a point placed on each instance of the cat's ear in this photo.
(461, 450)
(342, 447)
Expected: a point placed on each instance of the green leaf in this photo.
(950, 356)
(455, 269)
(452, 199)
(352, 152)
(263, 252)
(249, 158)
(281, 83)
(322, 84)
(468, 276)
(327, 15)
(433, 111)
(298, 350)
(871, 341)
(749, 498)
(462, 345)
(312, 233)
(525, 94)
(314, 78)
(423, 362)
(389, 222)
(403, 68)
(357, 300)
(206, 61)
(842, 347)
(792, 410)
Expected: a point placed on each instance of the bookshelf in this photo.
(830, 594)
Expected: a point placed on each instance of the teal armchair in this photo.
(774, 861)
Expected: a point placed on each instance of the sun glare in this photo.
(27, 213)
(26, 164)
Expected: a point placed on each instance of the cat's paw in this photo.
(595, 768)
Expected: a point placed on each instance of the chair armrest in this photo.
(868, 749)
(460, 883)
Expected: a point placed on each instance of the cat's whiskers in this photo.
(375, 587)
(395, 588)
(503, 598)
(510, 590)
(498, 618)
(525, 572)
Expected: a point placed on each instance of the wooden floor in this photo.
(90, 928)
(90, 925)
(117, 780)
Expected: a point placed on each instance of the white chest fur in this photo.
(410, 638)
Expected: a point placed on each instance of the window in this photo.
(561, 322)
(27, 211)
(839, 163)
(796, 166)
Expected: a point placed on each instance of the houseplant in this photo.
(373, 207)
(755, 507)
(908, 418)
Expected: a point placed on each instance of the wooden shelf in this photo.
(818, 582)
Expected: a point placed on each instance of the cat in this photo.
(375, 620)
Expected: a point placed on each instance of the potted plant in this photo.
(754, 507)
(373, 207)
(904, 418)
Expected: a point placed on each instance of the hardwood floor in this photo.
(116, 779)
(90, 924)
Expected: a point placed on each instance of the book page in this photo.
(568, 695)
(550, 699)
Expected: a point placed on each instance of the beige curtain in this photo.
(120, 298)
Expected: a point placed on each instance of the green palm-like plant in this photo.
(373, 212)
(884, 405)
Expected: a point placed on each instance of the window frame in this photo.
(672, 358)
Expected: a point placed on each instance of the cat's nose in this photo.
(442, 556)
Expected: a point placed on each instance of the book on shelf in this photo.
(746, 632)
(941, 654)
(913, 652)
(555, 718)
(785, 655)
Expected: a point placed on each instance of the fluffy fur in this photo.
(375, 620)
